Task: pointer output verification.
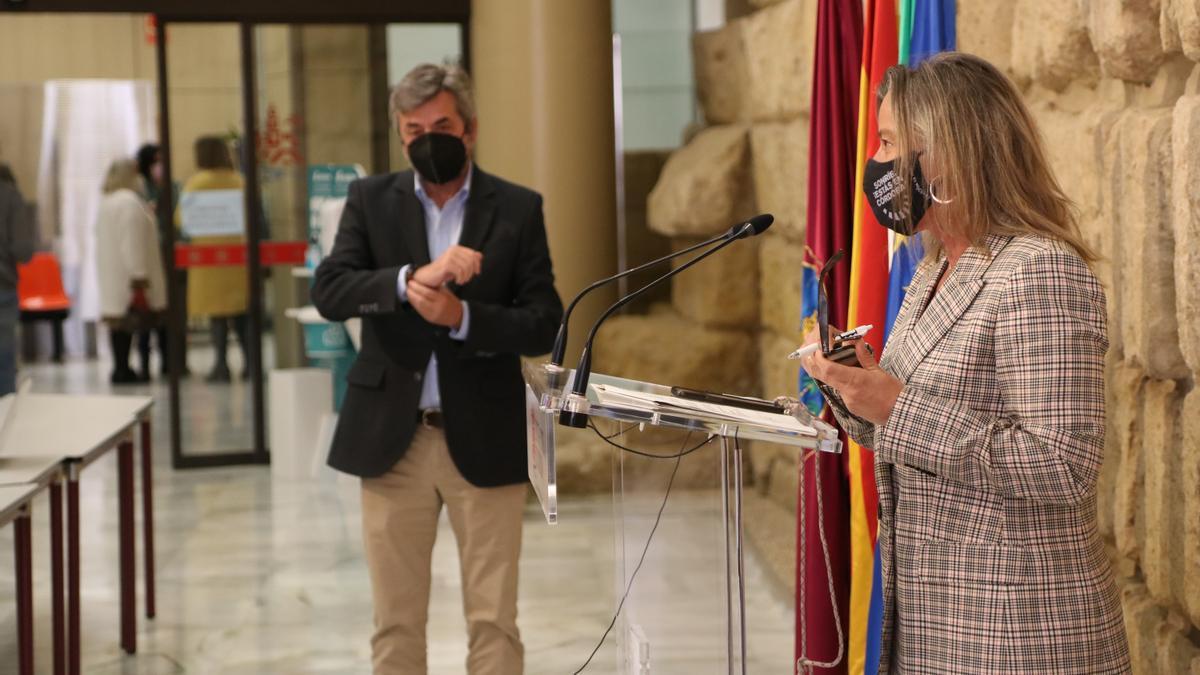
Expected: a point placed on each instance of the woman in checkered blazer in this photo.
(986, 412)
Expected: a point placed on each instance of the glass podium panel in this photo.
(674, 618)
(691, 598)
(684, 612)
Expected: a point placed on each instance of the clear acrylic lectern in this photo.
(687, 610)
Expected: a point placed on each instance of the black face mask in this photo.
(881, 185)
(439, 158)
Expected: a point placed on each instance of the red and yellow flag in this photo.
(868, 305)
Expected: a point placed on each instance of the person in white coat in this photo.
(133, 294)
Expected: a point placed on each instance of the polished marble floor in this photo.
(262, 576)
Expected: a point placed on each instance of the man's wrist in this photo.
(463, 325)
(458, 320)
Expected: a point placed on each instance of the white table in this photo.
(75, 431)
(14, 508)
(40, 471)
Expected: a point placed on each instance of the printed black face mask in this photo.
(881, 185)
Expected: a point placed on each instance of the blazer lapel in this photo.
(925, 329)
(481, 207)
(409, 216)
(914, 297)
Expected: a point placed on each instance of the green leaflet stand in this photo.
(326, 344)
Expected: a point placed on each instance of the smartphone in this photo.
(750, 403)
(843, 353)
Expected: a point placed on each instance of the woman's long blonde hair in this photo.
(982, 152)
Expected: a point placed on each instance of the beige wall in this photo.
(337, 96)
(39, 47)
(204, 73)
(21, 131)
(204, 84)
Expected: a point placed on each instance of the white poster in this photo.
(209, 213)
(86, 124)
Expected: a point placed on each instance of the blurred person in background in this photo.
(18, 238)
(220, 294)
(149, 163)
(133, 293)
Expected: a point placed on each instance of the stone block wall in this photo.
(729, 325)
(1115, 88)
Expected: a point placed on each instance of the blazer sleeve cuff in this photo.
(464, 328)
(862, 431)
(402, 284)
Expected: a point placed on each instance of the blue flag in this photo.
(810, 395)
(905, 259)
(932, 30)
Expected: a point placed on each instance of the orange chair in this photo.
(41, 295)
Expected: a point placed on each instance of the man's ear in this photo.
(471, 130)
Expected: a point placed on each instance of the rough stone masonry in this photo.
(1115, 86)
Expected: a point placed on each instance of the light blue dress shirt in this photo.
(443, 228)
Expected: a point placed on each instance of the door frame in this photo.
(262, 11)
(252, 14)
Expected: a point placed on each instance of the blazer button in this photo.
(417, 376)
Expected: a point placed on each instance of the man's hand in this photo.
(437, 305)
(869, 392)
(458, 264)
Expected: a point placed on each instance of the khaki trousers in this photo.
(400, 512)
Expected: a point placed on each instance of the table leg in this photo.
(56, 578)
(23, 549)
(73, 615)
(125, 508)
(148, 517)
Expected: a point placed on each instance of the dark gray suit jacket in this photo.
(514, 311)
(18, 235)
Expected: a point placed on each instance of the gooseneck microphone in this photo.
(572, 414)
(560, 341)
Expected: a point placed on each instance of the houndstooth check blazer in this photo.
(986, 468)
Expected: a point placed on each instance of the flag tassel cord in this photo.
(804, 664)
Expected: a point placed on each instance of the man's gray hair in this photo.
(428, 80)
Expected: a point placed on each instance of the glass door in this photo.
(213, 221)
(266, 125)
(322, 110)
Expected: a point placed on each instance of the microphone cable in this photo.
(678, 457)
(642, 453)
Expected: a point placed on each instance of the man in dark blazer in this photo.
(450, 271)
